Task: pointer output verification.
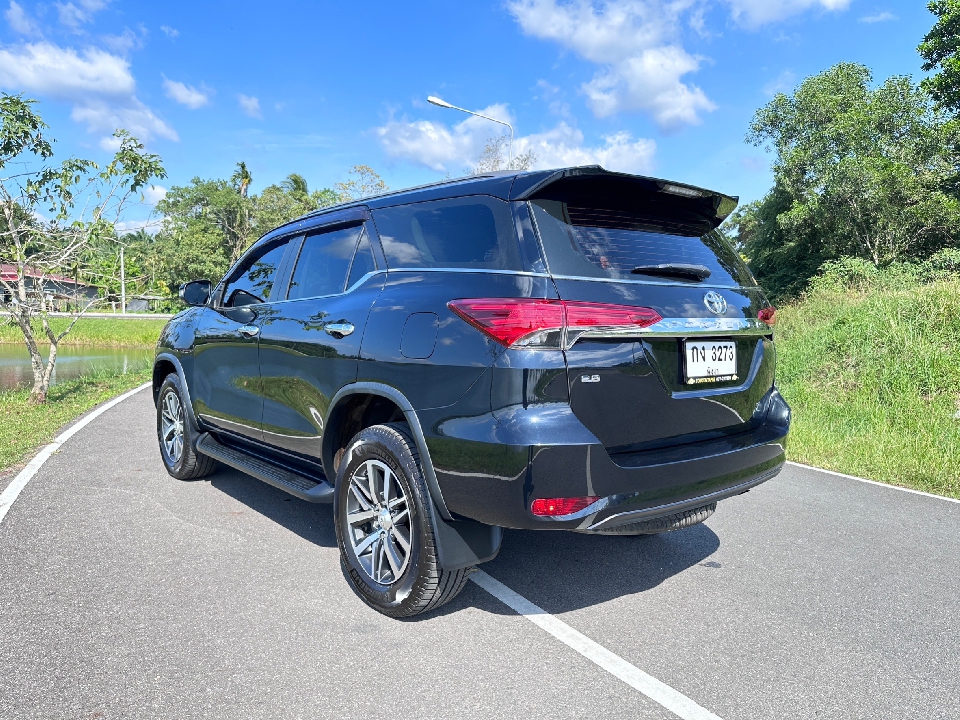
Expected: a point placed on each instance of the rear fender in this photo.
(460, 543)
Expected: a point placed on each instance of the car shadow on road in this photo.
(559, 571)
(311, 521)
(563, 571)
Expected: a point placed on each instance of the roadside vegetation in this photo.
(96, 331)
(870, 362)
(25, 426)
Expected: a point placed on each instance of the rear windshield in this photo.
(468, 232)
(602, 243)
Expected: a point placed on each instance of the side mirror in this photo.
(196, 292)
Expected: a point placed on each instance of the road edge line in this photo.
(16, 486)
(661, 693)
(874, 482)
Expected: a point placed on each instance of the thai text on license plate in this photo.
(709, 361)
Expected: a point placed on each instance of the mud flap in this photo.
(463, 543)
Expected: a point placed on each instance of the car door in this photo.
(226, 389)
(311, 346)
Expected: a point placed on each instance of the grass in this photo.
(94, 331)
(25, 427)
(873, 376)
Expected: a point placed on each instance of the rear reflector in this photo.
(561, 506)
(768, 315)
(538, 323)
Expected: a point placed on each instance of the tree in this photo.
(295, 184)
(208, 224)
(85, 202)
(495, 156)
(940, 51)
(363, 182)
(241, 179)
(859, 171)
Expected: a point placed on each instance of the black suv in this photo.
(561, 350)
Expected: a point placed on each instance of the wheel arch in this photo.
(163, 365)
(375, 403)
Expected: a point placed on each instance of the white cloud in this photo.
(124, 42)
(170, 32)
(185, 94)
(63, 72)
(154, 194)
(98, 84)
(74, 15)
(754, 13)
(458, 148)
(250, 105)
(636, 43)
(102, 116)
(19, 21)
(884, 16)
(783, 82)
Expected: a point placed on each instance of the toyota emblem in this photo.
(715, 303)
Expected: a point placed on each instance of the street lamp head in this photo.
(437, 101)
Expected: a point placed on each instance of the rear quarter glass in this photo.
(472, 232)
(604, 243)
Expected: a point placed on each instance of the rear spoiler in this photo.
(593, 184)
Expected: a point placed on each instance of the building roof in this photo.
(9, 274)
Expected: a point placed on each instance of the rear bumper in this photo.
(486, 475)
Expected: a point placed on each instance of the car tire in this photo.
(380, 505)
(177, 435)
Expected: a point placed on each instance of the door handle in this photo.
(251, 331)
(339, 329)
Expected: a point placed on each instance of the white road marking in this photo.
(13, 490)
(873, 482)
(677, 703)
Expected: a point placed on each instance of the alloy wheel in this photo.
(378, 522)
(171, 427)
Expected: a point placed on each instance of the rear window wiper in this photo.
(677, 270)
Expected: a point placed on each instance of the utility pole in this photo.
(123, 285)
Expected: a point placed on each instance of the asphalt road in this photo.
(127, 594)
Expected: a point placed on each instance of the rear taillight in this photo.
(768, 315)
(561, 506)
(537, 323)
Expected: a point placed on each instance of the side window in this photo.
(323, 263)
(476, 231)
(363, 261)
(254, 284)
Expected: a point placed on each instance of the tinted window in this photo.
(254, 284)
(363, 261)
(468, 232)
(594, 242)
(323, 263)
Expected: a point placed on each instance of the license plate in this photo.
(709, 361)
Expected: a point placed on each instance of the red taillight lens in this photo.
(532, 322)
(585, 314)
(507, 320)
(561, 506)
(768, 315)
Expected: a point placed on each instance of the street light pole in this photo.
(444, 104)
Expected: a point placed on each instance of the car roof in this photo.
(507, 185)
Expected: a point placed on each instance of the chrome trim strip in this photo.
(484, 271)
(231, 426)
(679, 328)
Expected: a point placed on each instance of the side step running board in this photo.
(297, 485)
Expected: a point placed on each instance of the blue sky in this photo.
(650, 86)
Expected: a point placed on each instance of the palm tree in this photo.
(295, 184)
(241, 178)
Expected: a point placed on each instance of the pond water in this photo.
(72, 362)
